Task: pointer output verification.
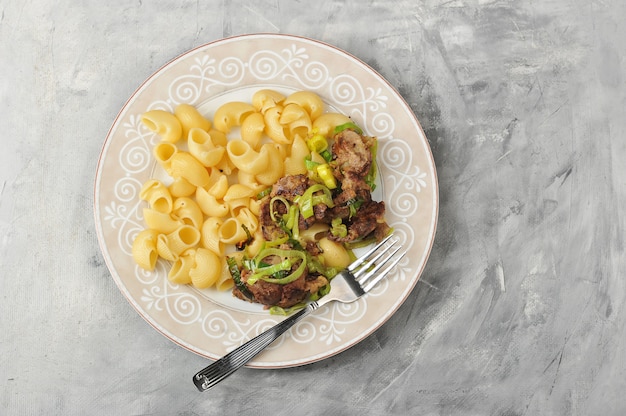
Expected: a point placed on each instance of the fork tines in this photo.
(365, 267)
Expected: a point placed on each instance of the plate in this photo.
(212, 323)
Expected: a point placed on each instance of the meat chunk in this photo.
(352, 155)
(271, 294)
(287, 187)
(291, 186)
(352, 160)
(369, 219)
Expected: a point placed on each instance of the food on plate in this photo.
(267, 198)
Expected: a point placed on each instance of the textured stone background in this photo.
(521, 309)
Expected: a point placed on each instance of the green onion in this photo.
(236, 274)
(316, 266)
(276, 242)
(370, 178)
(310, 165)
(277, 310)
(320, 293)
(354, 204)
(290, 217)
(350, 126)
(360, 243)
(264, 193)
(338, 228)
(290, 257)
(277, 199)
(308, 200)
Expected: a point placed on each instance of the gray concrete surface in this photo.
(521, 309)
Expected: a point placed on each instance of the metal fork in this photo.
(347, 286)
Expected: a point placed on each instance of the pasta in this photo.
(181, 187)
(273, 128)
(296, 119)
(201, 147)
(160, 221)
(231, 232)
(157, 195)
(294, 164)
(263, 100)
(179, 273)
(210, 235)
(252, 129)
(171, 245)
(309, 101)
(245, 158)
(325, 123)
(163, 153)
(206, 270)
(188, 211)
(184, 165)
(231, 114)
(275, 168)
(189, 118)
(210, 205)
(164, 123)
(144, 249)
(219, 169)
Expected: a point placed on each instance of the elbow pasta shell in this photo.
(225, 280)
(326, 123)
(181, 187)
(245, 158)
(275, 169)
(186, 166)
(252, 129)
(263, 100)
(160, 221)
(219, 188)
(179, 273)
(157, 195)
(210, 205)
(206, 270)
(296, 119)
(294, 164)
(188, 211)
(231, 232)
(183, 238)
(202, 148)
(164, 250)
(248, 219)
(230, 115)
(144, 250)
(255, 206)
(238, 191)
(210, 235)
(249, 180)
(273, 128)
(163, 123)
(258, 242)
(190, 118)
(308, 100)
(163, 153)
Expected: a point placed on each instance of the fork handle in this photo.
(231, 362)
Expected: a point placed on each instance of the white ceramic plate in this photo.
(210, 323)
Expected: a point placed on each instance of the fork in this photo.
(347, 286)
